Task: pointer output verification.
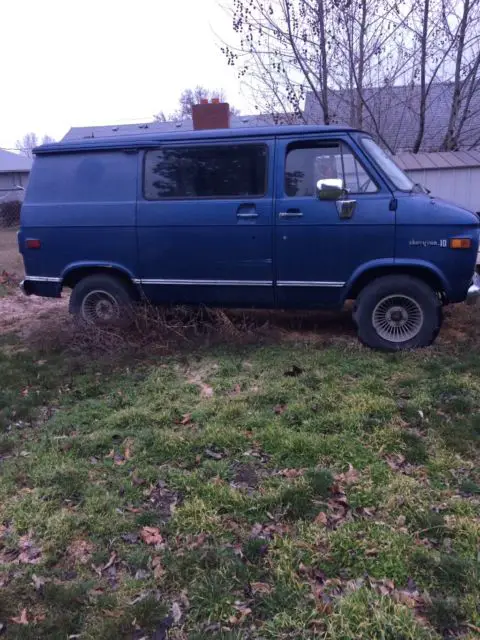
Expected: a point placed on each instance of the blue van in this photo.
(299, 217)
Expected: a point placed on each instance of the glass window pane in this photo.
(206, 172)
(387, 164)
(308, 162)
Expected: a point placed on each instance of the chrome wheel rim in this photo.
(100, 307)
(397, 318)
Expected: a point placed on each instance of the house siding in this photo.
(8, 181)
(461, 186)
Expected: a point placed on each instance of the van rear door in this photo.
(204, 222)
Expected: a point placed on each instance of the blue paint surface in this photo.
(85, 203)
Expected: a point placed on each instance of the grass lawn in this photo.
(289, 488)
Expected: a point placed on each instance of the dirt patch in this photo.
(46, 323)
(24, 315)
(461, 324)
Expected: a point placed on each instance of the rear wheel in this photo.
(398, 312)
(102, 300)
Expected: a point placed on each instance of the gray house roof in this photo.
(166, 127)
(438, 160)
(14, 162)
(394, 115)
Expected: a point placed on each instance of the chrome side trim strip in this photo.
(42, 279)
(239, 283)
(308, 283)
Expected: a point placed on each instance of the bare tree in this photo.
(285, 48)
(188, 98)
(362, 61)
(333, 50)
(462, 26)
(30, 141)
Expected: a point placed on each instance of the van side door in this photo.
(320, 244)
(204, 222)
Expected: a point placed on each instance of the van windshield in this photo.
(388, 166)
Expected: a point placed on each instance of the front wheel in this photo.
(102, 300)
(398, 312)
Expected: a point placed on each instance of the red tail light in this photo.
(33, 243)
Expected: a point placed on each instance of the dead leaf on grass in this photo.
(4, 580)
(136, 481)
(151, 535)
(261, 587)
(113, 557)
(38, 583)
(292, 473)
(195, 541)
(237, 390)
(158, 570)
(128, 455)
(322, 518)
(132, 509)
(395, 461)
(80, 550)
(186, 418)
(243, 612)
(348, 477)
(213, 454)
(206, 390)
(29, 554)
(279, 409)
(21, 619)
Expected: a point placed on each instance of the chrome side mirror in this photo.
(330, 189)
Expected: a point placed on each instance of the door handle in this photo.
(290, 213)
(247, 212)
(247, 215)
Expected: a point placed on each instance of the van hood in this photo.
(449, 207)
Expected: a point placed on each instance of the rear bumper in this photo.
(474, 289)
(41, 286)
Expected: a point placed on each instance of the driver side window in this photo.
(310, 161)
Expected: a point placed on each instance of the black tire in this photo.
(100, 292)
(395, 313)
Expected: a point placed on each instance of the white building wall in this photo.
(461, 186)
(7, 183)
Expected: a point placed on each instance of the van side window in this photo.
(217, 171)
(310, 161)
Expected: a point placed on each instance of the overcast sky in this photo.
(83, 62)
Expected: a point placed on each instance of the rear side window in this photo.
(218, 171)
(310, 161)
(100, 176)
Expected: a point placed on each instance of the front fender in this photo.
(385, 266)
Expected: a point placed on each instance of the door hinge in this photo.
(393, 204)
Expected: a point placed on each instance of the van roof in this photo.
(144, 140)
